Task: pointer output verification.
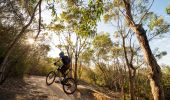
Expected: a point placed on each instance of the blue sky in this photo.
(163, 44)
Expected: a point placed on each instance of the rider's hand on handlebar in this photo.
(55, 63)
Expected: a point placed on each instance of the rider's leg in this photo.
(63, 70)
(60, 75)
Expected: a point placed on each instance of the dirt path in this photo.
(32, 88)
(52, 92)
(35, 88)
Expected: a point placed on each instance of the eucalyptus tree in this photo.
(129, 55)
(76, 24)
(136, 16)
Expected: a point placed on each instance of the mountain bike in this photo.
(69, 84)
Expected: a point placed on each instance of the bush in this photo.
(88, 75)
(41, 69)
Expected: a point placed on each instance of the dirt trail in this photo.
(32, 88)
(52, 92)
(35, 88)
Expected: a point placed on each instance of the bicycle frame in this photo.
(58, 70)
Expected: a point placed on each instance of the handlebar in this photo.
(56, 62)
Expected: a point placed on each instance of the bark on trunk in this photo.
(132, 92)
(75, 72)
(155, 76)
(71, 67)
(131, 83)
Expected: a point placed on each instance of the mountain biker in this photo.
(66, 63)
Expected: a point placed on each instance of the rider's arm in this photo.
(55, 63)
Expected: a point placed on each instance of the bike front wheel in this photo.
(50, 78)
(69, 86)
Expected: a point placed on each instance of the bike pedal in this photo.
(57, 81)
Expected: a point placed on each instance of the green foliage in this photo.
(117, 52)
(155, 22)
(168, 10)
(108, 17)
(87, 56)
(102, 41)
(81, 20)
(166, 80)
(118, 3)
(102, 44)
(42, 68)
(88, 75)
(57, 27)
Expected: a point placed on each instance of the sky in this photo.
(163, 44)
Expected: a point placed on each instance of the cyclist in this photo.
(66, 63)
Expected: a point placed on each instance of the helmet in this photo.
(61, 54)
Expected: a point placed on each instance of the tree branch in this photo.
(146, 12)
(39, 27)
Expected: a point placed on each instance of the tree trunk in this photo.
(75, 72)
(122, 89)
(80, 70)
(132, 92)
(71, 67)
(131, 84)
(155, 76)
(131, 69)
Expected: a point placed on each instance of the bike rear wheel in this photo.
(50, 78)
(69, 85)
